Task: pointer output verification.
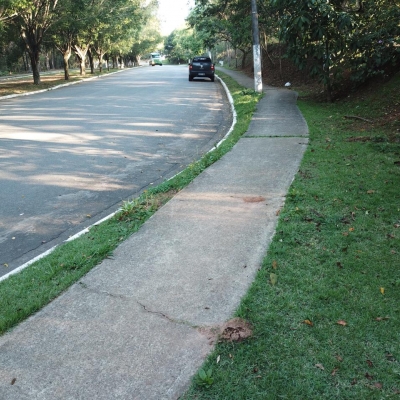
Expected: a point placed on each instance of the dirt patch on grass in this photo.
(234, 330)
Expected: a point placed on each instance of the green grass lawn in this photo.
(327, 321)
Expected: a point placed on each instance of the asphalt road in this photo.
(69, 157)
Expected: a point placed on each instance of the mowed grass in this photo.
(327, 321)
(25, 293)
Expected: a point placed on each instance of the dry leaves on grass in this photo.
(381, 318)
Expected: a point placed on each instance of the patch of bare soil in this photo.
(234, 330)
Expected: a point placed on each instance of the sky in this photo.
(172, 14)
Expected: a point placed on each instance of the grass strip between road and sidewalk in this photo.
(27, 292)
(325, 305)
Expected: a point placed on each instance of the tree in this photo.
(122, 28)
(224, 20)
(32, 18)
(375, 41)
(183, 44)
(148, 40)
(358, 36)
(63, 33)
(316, 31)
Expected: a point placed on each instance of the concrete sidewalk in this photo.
(131, 328)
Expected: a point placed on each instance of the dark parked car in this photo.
(201, 67)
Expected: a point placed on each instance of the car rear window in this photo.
(203, 59)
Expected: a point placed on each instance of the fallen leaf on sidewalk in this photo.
(308, 322)
(342, 323)
(320, 366)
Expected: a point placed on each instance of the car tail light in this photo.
(212, 67)
(190, 66)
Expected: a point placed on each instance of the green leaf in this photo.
(202, 374)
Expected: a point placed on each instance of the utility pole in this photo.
(256, 48)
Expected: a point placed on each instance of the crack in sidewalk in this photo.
(145, 308)
(175, 321)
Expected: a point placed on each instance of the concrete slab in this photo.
(278, 115)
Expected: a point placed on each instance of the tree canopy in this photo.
(80, 26)
(325, 38)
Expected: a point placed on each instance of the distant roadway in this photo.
(70, 156)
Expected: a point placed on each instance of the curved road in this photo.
(69, 157)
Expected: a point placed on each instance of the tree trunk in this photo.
(47, 61)
(327, 77)
(66, 50)
(90, 56)
(66, 57)
(52, 59)
(32, 44)
(34, 57)
(81, 54)
(100, 55)
(244, 58)
(25, 61)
